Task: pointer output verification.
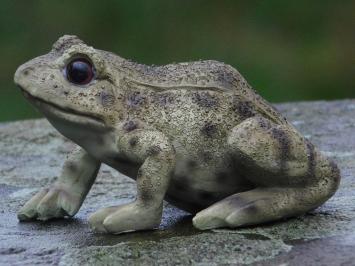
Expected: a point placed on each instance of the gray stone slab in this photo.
(31, 155)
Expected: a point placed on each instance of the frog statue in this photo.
(195, 134)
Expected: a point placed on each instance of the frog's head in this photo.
(73, 85)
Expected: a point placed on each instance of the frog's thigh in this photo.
(263, 146)
(291, 177)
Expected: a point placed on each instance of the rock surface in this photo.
(31, 155)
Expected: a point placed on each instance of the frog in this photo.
(194, 134)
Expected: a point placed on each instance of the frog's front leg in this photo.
(66, 195)
(157, 155)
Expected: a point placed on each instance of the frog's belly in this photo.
(193, 193)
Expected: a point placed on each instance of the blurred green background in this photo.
(287, 50)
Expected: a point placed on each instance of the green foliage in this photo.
(287, 50)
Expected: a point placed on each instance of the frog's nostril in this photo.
(21, 72)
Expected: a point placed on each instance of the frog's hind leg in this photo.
(291, 177)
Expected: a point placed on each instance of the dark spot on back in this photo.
(107, 99)
(164, 99)
(209, 129)
(225, 76)
(243, 108)
(204, 99)
(135, 99)
(153, 150)
(130, 125)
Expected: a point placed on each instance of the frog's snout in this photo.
(22, 75)
(18, 75)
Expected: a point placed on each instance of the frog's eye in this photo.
(80, 71)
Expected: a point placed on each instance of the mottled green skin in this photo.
(193, 133)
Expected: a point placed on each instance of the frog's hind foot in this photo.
(262, 205)
(246, 208)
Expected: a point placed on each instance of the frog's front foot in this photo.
(126, 218)
(56, 202)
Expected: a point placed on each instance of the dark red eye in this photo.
(80, 71)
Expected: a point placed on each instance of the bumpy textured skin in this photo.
(195, 134)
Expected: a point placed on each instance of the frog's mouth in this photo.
(54, 112)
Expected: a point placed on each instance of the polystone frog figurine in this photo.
(195, 134)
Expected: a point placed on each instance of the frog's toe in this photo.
(96, 220)
(124, 222)
(204, 221)
(48, 207)
(125, 218)
(29, 210)
(212, 217)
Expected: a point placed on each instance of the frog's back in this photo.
(200, 80)
(208, 74)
